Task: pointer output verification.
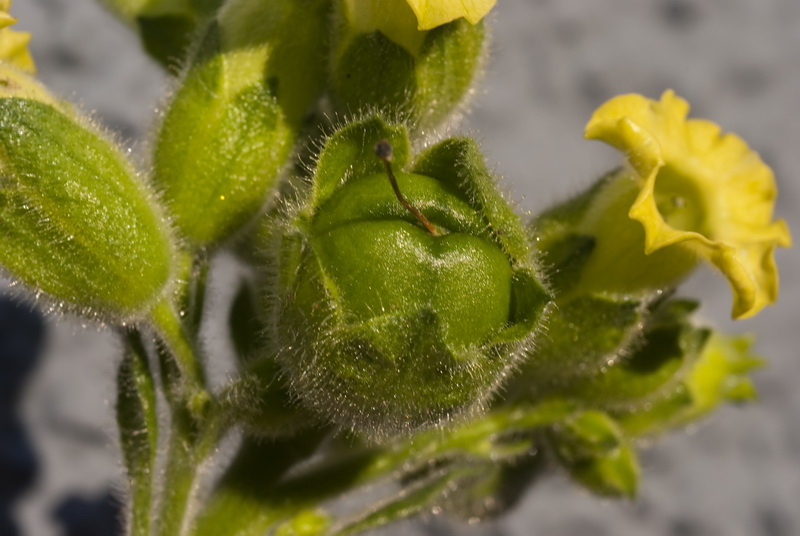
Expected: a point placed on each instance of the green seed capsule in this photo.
(389, 65)
(385, 326)
(75, 221)
(231, 126)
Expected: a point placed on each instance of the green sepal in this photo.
(350, 153)
(218, 154)
(165, 27)
(370, 72)
(459, 163)
(650, 367)
(591, 446)
(718, 372)
(562, 250)
(584, 335)
(231, 126)
(138, 428)
(590, 245)
(75, 221)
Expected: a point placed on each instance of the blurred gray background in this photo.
(736, 61)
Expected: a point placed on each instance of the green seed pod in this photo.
(76, 223)
(231, 126)
(416, 75)
(385, 326)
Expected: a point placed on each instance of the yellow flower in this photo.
(14, 45)
(700, 190)
(405, 21)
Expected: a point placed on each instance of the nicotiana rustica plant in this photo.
(401, 329)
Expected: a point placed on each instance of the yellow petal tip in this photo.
(700, 189)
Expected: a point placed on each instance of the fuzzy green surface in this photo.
(231, 126)
(385, 327)
(76, 222)
(370, 72)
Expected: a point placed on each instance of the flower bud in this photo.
(387, 57)
(388, 324)
(231, 126)
(77, 223)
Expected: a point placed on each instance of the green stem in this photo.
(138, 426)
(189, 448)
(171, 331)
(196, 425)
(197, 292)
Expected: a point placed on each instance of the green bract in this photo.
(382, 326)
(422, 80)
(231, 126)
(75, 221)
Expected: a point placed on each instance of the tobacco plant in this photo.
(400, 328)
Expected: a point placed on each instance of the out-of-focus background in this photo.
(736, 61)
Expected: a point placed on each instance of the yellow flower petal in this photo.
(14, 49)
(405, 21)
(14, 45)
(433, 13)
(707, 191)
(6, 19)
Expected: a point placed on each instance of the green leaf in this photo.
(75, 220)
(138, 429)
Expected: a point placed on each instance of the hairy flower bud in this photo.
(75, 221)
(232, 124)
(384, 59)
(386, 325)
